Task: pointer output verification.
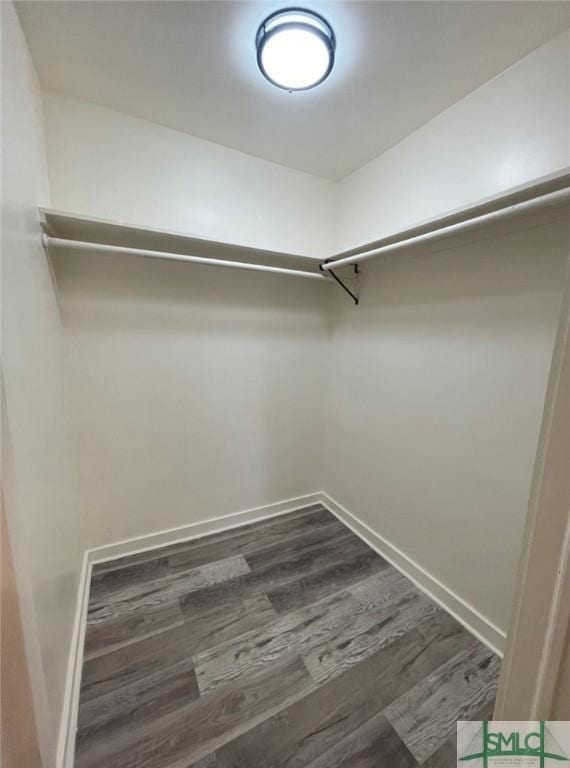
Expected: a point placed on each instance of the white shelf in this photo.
(541, 186)
(72, 226)
(513, 202)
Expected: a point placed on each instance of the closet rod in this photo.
(552, 198)
(59, 242)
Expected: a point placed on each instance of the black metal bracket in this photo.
(339, 281)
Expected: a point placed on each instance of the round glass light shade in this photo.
(295, 49)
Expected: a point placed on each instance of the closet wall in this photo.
(439, 376)
(511, 130)
(196, 390)
(107, 164)
(38, 455)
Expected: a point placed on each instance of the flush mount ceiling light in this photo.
(295, 49)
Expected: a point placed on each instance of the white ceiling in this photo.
(191, 66)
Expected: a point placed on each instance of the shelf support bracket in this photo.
(339, 281)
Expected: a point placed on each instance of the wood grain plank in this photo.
(293, 633)
(311, 726)
(317, 525)
(134, 661)
(146, 596)
(106, 636)
(356, 565)
(344, 628)
(132, 705)
(104, 586)
(200, 728)
(272, 572)
(374, 745)
(319, 531)
(306, 549)
(232, 618)
(446, 755)
(426, 716)
(135, 612)
(368, 633)
(342, 557)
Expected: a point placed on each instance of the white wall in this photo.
(106, 164)
(513, 129)
(436, 388)
(437, 380)
(439, 376)
(197, 391)
(37, 454)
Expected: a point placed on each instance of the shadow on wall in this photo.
(47, 598)
(439, 379)
(18, 726)
(196, 390)
(465, 275)
(139, 293)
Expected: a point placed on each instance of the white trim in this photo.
(542, 599)
(66, 738)
(59, 223)
(477, 624)
(552, 198)
(534, 188)
(555, 634)
(201, 528)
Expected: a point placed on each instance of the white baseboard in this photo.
(202, 528)
(66, 738)
(466, 614)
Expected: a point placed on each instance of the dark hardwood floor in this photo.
(288, 643)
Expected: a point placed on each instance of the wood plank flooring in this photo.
(287, 643)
